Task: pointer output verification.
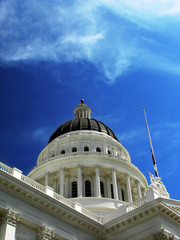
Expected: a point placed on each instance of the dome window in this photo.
(52, 155)
(74, 189)
(63, 151)
(109, 152)
(98, 149)
(122, 193)
(87, 188)
(74, 149)
(86, 149)
(102, 189)
(112, 191)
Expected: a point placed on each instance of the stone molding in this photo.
(79, 159)
(163, 234)
(10, 217)
(45, 233)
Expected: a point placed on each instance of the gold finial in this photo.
(82, 101)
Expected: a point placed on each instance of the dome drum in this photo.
(77, 143)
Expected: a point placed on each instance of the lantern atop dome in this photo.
(82, 110)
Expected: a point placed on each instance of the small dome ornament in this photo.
(82, 110)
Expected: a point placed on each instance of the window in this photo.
(63, 151)
(98, 149)
(109, 152)
(112, 192)
(87, 188)
(102, 189)
(52, 155)
(122, 193)
(74, 149)
(86, 149)
(74, 189)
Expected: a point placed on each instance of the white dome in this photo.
(92, 168)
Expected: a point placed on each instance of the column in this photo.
(62, 182)
(8, 227)
(120, 193)
(128, 185)
(55, 185)
(108, 188)
(45, 233)
(138, 190)
(47, 179)
(79, 181)
(98, 190)
(67, 193)
(114, 184)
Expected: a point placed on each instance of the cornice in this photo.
(140, 214)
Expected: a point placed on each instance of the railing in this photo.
(91, 215)
(63, 200)
(5, 168)
(135, 204)
(32, 183)
(18, 174)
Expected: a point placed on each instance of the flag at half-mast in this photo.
(152, 151)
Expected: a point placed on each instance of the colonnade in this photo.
(112, 185)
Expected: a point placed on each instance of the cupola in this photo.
(82, 110)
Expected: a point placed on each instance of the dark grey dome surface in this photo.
(82, 124)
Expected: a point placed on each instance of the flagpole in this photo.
(152, 151)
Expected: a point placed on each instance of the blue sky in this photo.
(117, 55)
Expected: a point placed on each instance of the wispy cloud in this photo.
(132, 134)
(115, 36)
(170, 130)
(41, 133)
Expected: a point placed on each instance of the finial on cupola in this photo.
(82, 110)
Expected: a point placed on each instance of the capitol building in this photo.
(84, 187)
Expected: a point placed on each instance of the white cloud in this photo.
(115, 36)
(132, 134)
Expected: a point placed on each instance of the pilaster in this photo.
(98, 190)
(62, 182)
(8, 226)
(79, 181)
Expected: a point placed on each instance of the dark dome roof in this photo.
(82, 124)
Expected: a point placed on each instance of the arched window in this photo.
(98, 149)
(102, 189)
(52, 155)
(109, 152)
(86, 149)
(74, 189)
(87, 188)
(63, 151)
(74, 149)
(122, 193)
(112, 191)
